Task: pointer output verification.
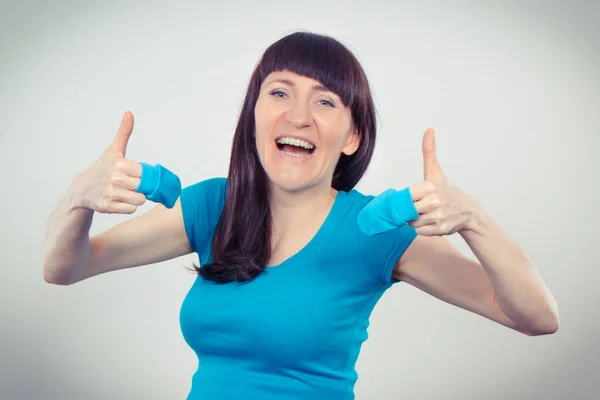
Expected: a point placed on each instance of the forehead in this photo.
(293, 79)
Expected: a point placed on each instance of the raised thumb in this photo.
(119, 142)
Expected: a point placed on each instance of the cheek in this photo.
(333, 133)
(263, 139)
(259, 126)
(262, 135)
(265, 119)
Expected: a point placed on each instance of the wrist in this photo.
(74, 198)
(476, 225)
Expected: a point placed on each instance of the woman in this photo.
(293, 258)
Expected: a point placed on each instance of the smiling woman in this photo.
(293, 259)
(309, 88)
(287, 279)
(310, 125)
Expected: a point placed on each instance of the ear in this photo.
(352, 143)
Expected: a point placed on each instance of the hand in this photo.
(443, 208)
(109, 185)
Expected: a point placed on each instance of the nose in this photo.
(298, 115)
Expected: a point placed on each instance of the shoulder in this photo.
(379, 252)
(207, 185)
(211, 190)
(201, 206)
(357, 200)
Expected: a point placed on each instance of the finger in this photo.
(119, 142)
(431, 168)
(421, 189)
(117, 207)
(129, 167)
(427, 205)
(427, 230)
(423, 220)
(122, 180)
(123, 195)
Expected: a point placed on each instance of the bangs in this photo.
(319, 57)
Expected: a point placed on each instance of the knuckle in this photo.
(137, 200)
(116, 178)
(109, 192)
(119, 164)
(105, 205)
(444, 228)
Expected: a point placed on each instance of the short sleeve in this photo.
(382, 251)
(201, 206)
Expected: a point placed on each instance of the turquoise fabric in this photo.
(159, 184)
(295, 332)
(390, 210)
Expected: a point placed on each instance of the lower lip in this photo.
(290, 158)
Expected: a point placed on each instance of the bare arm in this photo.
(109, 186)
(66, 244)
(503, 284)
(435, 266)
(432, 264)
(71, 256)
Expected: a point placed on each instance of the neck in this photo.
(295, 210)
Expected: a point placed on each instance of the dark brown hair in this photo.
(241, 246)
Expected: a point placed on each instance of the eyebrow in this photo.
(317, 87)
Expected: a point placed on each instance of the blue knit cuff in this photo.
(159, 184)
(389, 210)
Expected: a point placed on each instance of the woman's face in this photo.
(291, 106)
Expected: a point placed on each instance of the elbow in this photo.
(548, 322)
(54, 277)
(552, 319)
(52, 272)
(542, 332)
(56, 282)
(549, 329)
(548, 326)
(53, 280)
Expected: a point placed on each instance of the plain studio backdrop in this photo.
(511, 89)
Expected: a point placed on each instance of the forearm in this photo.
(66, 243)
(519, 288)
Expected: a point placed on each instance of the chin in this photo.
(290, 185)
(290, 174)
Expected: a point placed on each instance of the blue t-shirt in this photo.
(295, 332)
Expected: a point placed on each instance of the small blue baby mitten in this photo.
(159, 184)
(389, 210)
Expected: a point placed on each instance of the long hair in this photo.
(241, 247)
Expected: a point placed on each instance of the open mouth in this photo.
(298, 149)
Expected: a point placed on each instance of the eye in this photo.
(278, 93)
(326, 103)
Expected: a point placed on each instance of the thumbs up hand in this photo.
(434, 207)
(109, 185)
(114, 184)
(442, 207)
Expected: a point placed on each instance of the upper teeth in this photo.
(295, 142)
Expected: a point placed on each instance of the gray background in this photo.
(510, 87)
